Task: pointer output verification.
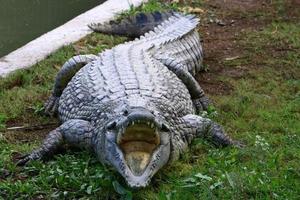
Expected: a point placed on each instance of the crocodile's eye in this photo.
(125, 112)
(165, 128)
(111, 125)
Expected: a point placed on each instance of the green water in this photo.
(23, 20)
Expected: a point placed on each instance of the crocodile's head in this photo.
(137, 145)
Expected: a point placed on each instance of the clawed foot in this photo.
(23, 160)
(238, 144)
(201, 103)
(51, 106)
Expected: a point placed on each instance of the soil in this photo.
(14, 137)
(222, 25)
(26, 132)
(220, 41)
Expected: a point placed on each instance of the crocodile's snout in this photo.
(142, 142)
(138, 137)
(140, 113)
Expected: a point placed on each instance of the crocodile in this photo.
(135, 105)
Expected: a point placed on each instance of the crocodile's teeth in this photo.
(152, 125)
(119, 140)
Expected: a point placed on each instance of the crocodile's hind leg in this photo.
(201, 102)
(66, 73)
(75, 132)
(196, 126)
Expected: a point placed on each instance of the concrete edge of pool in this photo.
(71, 31)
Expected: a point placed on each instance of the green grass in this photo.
(150, 6)
(29, 89)
(263, 111)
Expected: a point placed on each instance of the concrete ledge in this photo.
(70, 32)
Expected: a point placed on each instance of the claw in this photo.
(22, 156)
(34, 155)
(23, 160)
(201, 103)
(55, 106)
(51, 106)
(198, 105)
(238, 144)
(205, 102)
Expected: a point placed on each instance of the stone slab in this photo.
(68, 33)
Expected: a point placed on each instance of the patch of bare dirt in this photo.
(293, 9)
(239, 5)
(28, 134)
(224, 23)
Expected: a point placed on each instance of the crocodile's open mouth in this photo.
(138, 142)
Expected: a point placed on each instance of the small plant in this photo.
(125, 194)
(196, 180)
(211, 112)
(37, 108)
(2, 121)
(150, 6)
(261, 143)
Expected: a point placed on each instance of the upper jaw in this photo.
(138, 130)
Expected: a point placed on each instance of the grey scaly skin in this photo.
(134, 105)
(133, 26)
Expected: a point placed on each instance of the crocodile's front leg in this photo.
(196, 126)
(63, 77)
(200, 100)
(75, 132)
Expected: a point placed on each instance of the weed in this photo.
(150, 6)
(2, 121)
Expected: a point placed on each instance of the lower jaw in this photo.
(161, 151)
(137, 161)
(137, 180)
(137, 156)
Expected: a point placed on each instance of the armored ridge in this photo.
(133, 26)
(134, 105)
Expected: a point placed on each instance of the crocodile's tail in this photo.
(133, 26)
